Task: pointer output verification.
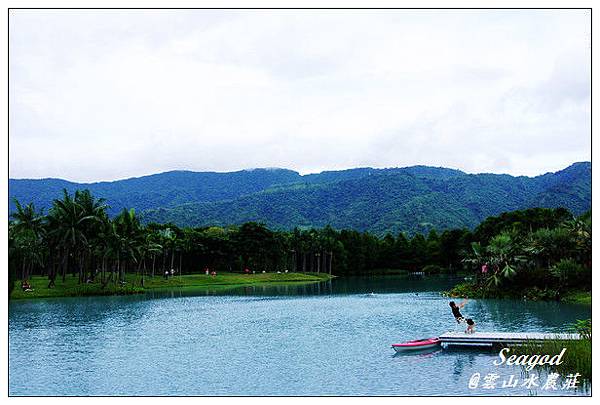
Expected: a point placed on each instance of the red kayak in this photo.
(416, 344)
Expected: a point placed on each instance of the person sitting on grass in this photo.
(25, 286)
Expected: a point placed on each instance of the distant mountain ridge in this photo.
(410, 199)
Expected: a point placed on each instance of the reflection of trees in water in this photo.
(295, 289)
(392, 284)
(462, 360)
(516, 315)
(291, 289)
(341, 285)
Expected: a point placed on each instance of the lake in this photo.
(328, 339)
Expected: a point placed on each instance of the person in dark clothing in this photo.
(460, 318)
(456, 310)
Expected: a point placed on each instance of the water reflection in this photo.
(338, 286)
(461, 362)
(329, 338)
(424, 353)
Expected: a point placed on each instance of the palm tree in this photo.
(153, 239)
(580, 230)
(504, 257)
(27, 231)
(168, 240)
(26, 219)
(148, 246)
(73, 220)
(130, 239)
(95, 210)
(476, 258)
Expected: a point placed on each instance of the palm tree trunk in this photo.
(52, 273)
(143, 273)
(118, 269)
(65, 264)
(318, 264)
(80, 265)
(153, 262)
(137, 271)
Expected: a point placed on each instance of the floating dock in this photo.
(492, 339)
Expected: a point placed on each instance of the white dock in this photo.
(490, 339)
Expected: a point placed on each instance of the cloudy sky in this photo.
(102, 95)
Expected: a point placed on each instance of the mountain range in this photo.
(411, 199)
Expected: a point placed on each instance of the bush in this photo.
(584, 328)
(568, 272)
(537, 294)
(467, 289)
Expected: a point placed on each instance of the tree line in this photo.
(77, 237)
(541, 252)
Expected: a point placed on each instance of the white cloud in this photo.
(100, 95)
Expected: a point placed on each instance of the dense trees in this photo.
(545, 249)
(78, 237)
(412, 200)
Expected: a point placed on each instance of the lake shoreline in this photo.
(336, 330)
(132, 284)
(471, 290)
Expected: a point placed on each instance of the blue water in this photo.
(330, 339)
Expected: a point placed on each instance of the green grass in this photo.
(577, 357)
(70, 288)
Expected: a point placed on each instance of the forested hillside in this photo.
(413, 199)
(396, 201)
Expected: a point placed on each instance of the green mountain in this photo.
(412, 199)
(158, 190)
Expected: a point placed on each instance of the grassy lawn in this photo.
(70, 288)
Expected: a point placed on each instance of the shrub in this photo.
(568, 272)
(584, 328)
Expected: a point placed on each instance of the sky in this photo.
(111, 94)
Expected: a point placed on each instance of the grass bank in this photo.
(472, 290)
(577, 357)
(71, 288)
